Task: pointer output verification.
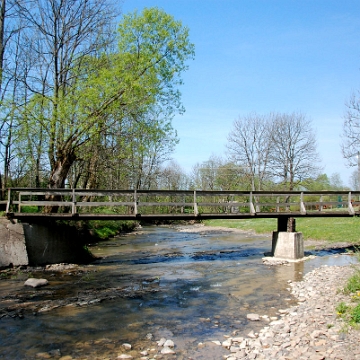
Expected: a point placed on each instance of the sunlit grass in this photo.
(331, 229)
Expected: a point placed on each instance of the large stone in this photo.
(36, 282)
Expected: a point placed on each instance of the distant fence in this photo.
(182, 204)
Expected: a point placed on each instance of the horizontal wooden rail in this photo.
(129, 204)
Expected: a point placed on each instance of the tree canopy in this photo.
(97, 87)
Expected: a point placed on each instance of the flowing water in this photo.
(189, 287)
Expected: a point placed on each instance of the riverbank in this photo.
(310, 330)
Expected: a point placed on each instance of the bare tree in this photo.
(249, 146)
(351, 130)
(173, 177)
(355, 180)
(350, 146)
(293, 149)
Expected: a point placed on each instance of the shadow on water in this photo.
(185, 286)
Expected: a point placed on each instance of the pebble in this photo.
(310, 330)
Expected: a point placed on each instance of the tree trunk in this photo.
(58, 177)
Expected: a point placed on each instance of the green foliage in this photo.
(29, 209)
(341, 308)
(118, 105)
(355, 314)
(351, 313)
(107, 229)
(353, 283)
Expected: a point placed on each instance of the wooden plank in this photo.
(42, 203)
(230, 204)
(164, 204)
(102, 203)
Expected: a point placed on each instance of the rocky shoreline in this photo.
(310, 330)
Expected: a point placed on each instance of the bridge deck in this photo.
(79, 204)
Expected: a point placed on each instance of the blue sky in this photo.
(265, 56)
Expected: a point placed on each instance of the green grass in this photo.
(331, 229)
(353, 284)
(351, 312)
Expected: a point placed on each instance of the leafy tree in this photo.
(98, 90)
(321, 182)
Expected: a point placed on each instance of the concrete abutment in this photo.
(40, 244)
(287, 245)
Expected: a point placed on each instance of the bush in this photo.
(109, 228)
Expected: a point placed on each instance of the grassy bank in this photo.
(330, 229)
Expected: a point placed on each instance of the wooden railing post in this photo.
(19, 204)
(251, 205)
(350, 207)
(135, 203)
(8, 201)
(302, 205)
(73, 207)
(196, 211)
(321, 200)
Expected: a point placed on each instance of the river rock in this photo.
(36, 282)
(253, 317)
(60, 267)
(126, 346)
(227, 343)
(124, 356)
(167, 351)
(169, 343)
(161, 342)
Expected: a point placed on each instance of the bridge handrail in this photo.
(190, 199)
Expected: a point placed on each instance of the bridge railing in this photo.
(182, 202)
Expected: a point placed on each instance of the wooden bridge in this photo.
(29, 204)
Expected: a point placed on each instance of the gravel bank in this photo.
(310, 330)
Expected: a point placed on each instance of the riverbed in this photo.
(187, 286)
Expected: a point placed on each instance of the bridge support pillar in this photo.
(286, 242)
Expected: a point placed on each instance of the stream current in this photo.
(190, 287)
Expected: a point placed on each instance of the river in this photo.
(189, 287)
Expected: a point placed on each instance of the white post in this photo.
(135, 203)
(8, 201)
(196, 211)
(350, 207)
(73, 210)
(302, 205)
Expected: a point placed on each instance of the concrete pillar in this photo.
(12, 244)
(287, 245)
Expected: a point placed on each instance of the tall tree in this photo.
(351, 131)
(89, 90)
(249, 146)
(294, 154)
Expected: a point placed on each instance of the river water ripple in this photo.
(190, 287)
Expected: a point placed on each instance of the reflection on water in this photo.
(188, 286)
